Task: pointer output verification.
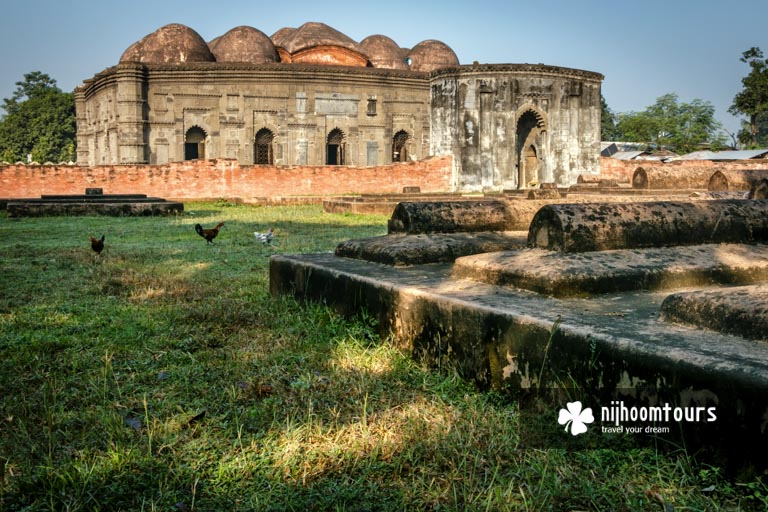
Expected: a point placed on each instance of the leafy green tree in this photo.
(607, 121)
(752, 101)
(39, 121)
(668, 124)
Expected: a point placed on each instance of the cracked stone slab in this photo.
(402, 249)
(581, 274)
(741, 310)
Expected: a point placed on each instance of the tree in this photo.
(667, 124)
(752, 101)
(607, 121)
(39, 121)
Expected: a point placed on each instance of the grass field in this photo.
(162, 375)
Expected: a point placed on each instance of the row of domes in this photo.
(312, 43)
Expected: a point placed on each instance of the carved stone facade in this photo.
(507, 126)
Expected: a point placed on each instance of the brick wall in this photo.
(622, 170)
(215, 179)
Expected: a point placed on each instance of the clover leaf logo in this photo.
(575, 418)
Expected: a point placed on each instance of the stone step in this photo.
(741, 310)
(580, 274)
(402, 249)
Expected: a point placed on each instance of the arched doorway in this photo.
(334, 148)
(194, 143)
(400, 146)
(262, 147)
(529, 127)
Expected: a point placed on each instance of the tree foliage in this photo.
(608, 129)
(752, 100)
(39, 121)
(668, 124)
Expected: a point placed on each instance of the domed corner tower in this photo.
(514, 126)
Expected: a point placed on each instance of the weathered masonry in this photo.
(313, 96)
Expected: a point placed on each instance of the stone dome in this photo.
(383, 52)
(317, 43)
(244, 44)
(430, 55)
(281, 36)
(171, 44)
(317, 34)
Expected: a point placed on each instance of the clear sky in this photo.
(645, 49)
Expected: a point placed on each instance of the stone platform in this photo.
(661, 323)
(116, 205)
(501, 337)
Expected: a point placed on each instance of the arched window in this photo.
(335, 148)
(262, 147)
(400, 146)
(194, 143)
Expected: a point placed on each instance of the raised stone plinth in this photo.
(588, 273)
(116, 205)
(593, 322)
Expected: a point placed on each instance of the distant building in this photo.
(313, 96)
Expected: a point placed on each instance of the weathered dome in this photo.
(383, 52)
(244, 44)
(278, 39)
(317, 43)
(172, 43)
(281, 36)
(430, 55)
(317, 34)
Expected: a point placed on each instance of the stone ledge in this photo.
(741, 310)
(579, 274)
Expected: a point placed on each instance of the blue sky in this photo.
(644, 49)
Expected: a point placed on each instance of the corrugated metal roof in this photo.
(740, 155)
(627, 155)
(726, 155)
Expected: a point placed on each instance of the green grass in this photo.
(163, 376)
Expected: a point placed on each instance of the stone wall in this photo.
(215, 179)
(516, 125)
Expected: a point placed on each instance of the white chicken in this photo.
(265, 238)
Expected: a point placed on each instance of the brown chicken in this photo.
(208, 234)
(97, 244)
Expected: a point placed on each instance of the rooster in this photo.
(265, 238)
(97, 244)
(208, 234)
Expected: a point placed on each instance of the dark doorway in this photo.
(400, 146)
(194, 144)
(262, 151)
(335, 148)
(527, 157)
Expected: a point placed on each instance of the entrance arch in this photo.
(262, 147)
(400, 142)
(529, 126)
(194, 143)
(335, 148)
